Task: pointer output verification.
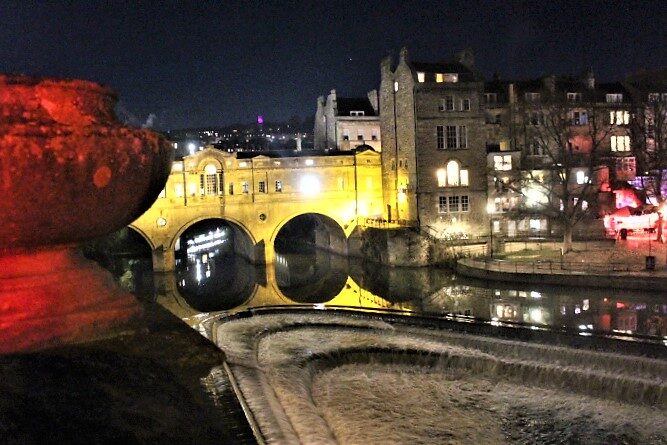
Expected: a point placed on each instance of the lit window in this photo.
(453, 173)
(614, 98)
(619, 117)
(535, 224)
(421, 77)
(450, 77)
(309, 162)
(441, 174)
(439, 78)
(573, 97)
(464, 177)
(581, 177)
(502, 162)
(620, 143)
(395, 86)
(210, 180)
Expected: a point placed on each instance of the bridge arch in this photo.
(244, 241)
(332, 225)
(144, 235)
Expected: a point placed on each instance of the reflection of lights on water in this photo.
(198, 272)
(207, 241)
(583, 327)
(586, 305)
(534, 294)
(577, 309)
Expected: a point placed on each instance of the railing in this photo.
(553, 266)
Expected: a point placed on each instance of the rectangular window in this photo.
(262, 187)
(465, 203)
(279, 186)
(245, 187)
(463, 136)
(620, 143)
(579, 118)
(453, 204)
(465, 104)
(374, 134)
(439, 78)
(535, 148)
(440, 137)
(447, 104)
(451, 136)
(442, 204)
(231, 188)
(360, 136)
(346, 135)
(502, 162)
(614, 98)
(490, 98)
(464, 177)
(573, 97)
(421, 77)
(619, 117)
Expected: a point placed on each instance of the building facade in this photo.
(344, 123)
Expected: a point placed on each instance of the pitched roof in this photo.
(347, 104)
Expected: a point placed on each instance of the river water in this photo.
(213, 281)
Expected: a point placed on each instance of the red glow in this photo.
(626, 198)
(620, 305)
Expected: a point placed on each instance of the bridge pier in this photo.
(164, 259)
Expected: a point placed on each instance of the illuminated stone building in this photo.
(434, 145)
(343, 123)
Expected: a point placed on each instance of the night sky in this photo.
(205, 63)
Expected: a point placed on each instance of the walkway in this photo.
(622, 266)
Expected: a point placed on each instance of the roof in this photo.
(347, 104)
(465, 73)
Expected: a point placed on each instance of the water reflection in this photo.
(221, 281)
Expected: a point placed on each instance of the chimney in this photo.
(589, 79)
(466, 57)
(549, 83)
(373, 99)
(403, 55)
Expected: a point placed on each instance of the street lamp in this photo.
(490, 209)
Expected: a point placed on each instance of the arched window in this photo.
(211, 181)
(452, 176)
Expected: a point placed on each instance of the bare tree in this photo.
(564, 144)
(648, 125)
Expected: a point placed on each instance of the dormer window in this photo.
(421, 77)
(614, 98)
(357, 113)
(446, 77)
(574, 97)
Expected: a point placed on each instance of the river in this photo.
(213, 281)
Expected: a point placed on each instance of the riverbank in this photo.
(636, 263)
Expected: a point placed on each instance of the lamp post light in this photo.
(490, 209)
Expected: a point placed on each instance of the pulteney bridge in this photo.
(257, 194)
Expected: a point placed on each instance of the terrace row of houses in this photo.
(463, 156)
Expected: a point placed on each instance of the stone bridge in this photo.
(258, 194)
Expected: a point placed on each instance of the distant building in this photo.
(344, 123)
